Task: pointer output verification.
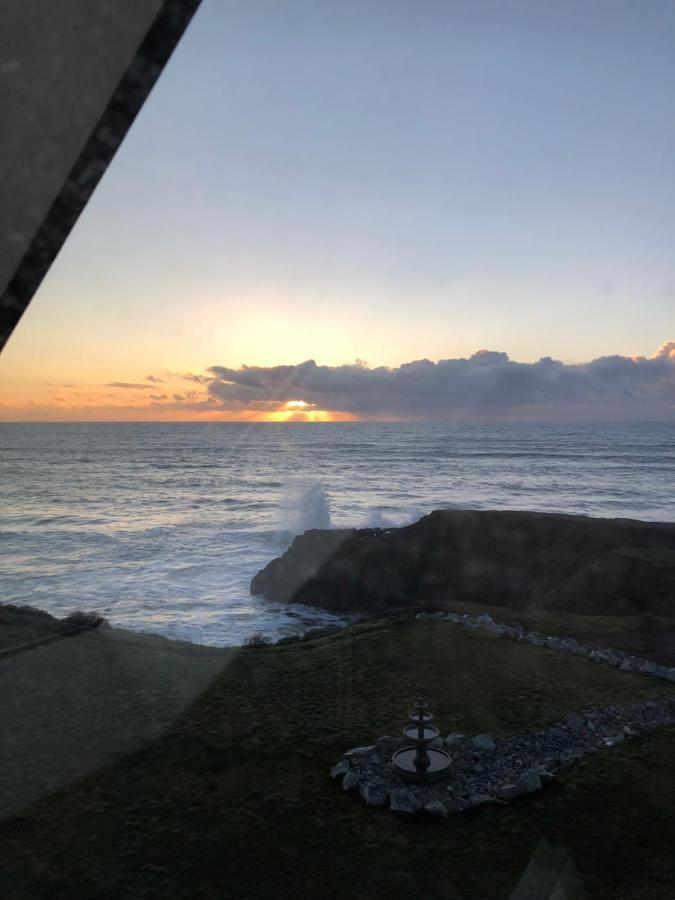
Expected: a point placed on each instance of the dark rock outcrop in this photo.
(511, 559)
(286, 576)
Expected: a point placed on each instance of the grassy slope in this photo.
(235, 800)
(21, 625)
(70, 706)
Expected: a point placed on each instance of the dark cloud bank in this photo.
(488, 386)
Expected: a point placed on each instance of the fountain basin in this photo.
(424, 735)
(403, 762)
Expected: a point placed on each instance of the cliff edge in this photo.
(517, 560)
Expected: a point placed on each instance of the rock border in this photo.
(617, 658)
(493, 770)
(625, 662)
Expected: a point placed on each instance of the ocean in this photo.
(160, 527)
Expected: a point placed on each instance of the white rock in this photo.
(436, 808)
(508, 792)
(529, 781)
(351, 780)
(373, 794)
(340, 769)
(359, 751)
(483, 742)
(403, 800)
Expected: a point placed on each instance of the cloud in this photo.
(190, 401)
(154, 379)
(190, 376)
(129, 385)
(487, 385)
(665, 351)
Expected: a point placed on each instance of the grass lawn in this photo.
(649, 636)
(19, 627)
(234, 799)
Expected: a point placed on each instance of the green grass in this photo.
(656, 556)
(22, 625)
(235, 800)
(647, 635)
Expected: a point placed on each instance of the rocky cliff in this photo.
(511, 559)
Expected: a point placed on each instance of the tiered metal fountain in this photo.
(421, 763)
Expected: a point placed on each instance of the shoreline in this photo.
(76, 624)
(531, 557)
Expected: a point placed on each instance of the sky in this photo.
(346, 201)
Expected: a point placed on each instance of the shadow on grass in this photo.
(235, 799)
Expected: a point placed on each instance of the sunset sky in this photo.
(325, 193)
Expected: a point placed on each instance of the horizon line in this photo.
(335, 422)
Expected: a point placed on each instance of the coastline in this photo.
(174, 548)
(434, 552)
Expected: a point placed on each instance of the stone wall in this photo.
(617, 658)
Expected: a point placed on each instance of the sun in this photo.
(301, 411)
(298, 405)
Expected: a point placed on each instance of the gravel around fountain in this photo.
(488, 769)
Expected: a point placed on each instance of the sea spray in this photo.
(379, 518)
(305, 505)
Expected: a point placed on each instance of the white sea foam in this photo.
(304, 505)
(164, 530)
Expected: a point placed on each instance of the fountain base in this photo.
(403, 762)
